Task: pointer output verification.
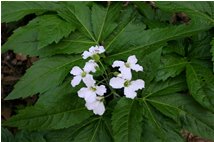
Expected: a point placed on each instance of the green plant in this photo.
(177, 59)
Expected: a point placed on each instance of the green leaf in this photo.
(63, 135)
(149, 72)
(25, 136)
(164, 128)
(103, 20)
(176, 47)
(38, 34)
(94, 129)
(200, 81)
(76, 43)
(45, 74)
(53, 30)
(94, 132)
(170, 66)
(212, 51)
(187, 113)
(169, 86)
(201, 46)
(78, 14)
(123, 38)
(126, 121)
(145, 44)
(127, 23)
(150, 132)
(56, 109)
(6, 135)
(14, 11)
(197, 10)
(153, 18)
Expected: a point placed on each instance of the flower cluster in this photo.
(92, 93)
(123, 80)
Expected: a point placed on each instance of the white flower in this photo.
(130, 87)
(84, 75)
(125, 68)
(90, 93)
(97, 106)
(93, 50)
(93, 102)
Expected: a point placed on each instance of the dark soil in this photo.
(13, 67)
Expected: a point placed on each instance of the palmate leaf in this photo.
(196, 10)
(45, 74)
(14, 11)
(171, 66)
(38, 34)
(186, 113)
(200, 81)
(126, 121)
(56, 109)
(97, 24)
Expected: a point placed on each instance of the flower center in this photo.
(101, 99)
(83, 74)
(93, 89)
(127, 83)
(97, 50)
(127, 65)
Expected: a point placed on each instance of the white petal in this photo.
(91, 105)
(86, 54)
(100, 90)
(76, 70)
(89, 80)
(132, 60)
(76, 80)
(118, 64)
(136, 67)
(117, 82)
(126, 73)
(137, 84)
(83, 91)
(99, 109)
(90, 66)
(90, 96)
(93, 48)
(129, 92)
(101, 49)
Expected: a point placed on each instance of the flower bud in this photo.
(96, 57)
(116, 73)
